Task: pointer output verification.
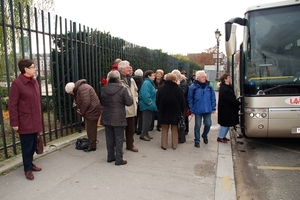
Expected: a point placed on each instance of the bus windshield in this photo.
(272, 51)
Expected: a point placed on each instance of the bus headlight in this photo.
(257, 113)
(264, 115)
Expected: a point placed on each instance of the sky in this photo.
(175, 27)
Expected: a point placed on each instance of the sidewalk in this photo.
(152, 173)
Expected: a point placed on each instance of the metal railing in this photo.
(63, 51)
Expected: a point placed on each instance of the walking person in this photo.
(88, 105)
(25, 113)
(228, 107)
(128, 82)
(114, 97)
(147, 103)
(202, 103)
(171, 104)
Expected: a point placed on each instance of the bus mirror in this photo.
(230, 39)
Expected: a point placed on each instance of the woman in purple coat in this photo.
(25, 113)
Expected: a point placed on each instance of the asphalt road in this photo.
(266, 168)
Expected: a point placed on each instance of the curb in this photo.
(16, 161)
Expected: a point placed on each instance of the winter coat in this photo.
(201, 100)
(228, 106)
(87, 100)
(132, 91)
(114, 97)
(139, 81)
(25, 105)
(157, 84)
(170, 102)
(147, 96)
(184, 86)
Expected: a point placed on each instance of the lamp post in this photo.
(217, 35)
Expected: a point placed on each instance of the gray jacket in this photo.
(114, 97)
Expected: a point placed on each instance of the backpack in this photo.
(82, 143)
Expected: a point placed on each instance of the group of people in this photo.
(129, 102)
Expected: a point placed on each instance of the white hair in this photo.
(177, 73)
(138, 72)
(69, 87)
(113, 74)
(122, 64)
(198, 73)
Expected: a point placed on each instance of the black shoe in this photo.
(109, 161)
(197, 145)
(124, 162)
(158, 129)
(138, 133)
(205, 140)
(164, 148)
(151, 129)
(89, 149)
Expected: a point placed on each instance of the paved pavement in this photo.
(152, 173)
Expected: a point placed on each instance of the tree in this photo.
(14, 14)
(206, 57)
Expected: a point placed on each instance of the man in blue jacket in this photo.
(202, 103)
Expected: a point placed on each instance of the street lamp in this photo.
(217, 35)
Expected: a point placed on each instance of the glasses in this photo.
(32, 67)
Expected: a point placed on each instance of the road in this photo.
(266, 168)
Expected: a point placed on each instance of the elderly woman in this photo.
(228, 107)
(158, 82)
(114, 98)
(181, 81)
(170, 102)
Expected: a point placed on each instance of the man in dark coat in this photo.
(171, 104)
(25, 113)
(88, 105)
(228, 107)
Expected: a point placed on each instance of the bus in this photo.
(266, 74)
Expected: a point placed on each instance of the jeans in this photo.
(207, 124)
(223, 131)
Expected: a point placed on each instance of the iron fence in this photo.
(63, 51)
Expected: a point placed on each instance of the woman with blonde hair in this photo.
(170, 103)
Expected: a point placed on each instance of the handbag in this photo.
(82, 143)
(39, 144)
(181, 123)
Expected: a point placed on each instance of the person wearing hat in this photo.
(88, 105)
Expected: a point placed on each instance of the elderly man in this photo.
(202, 103)
(88, 105)
(128, 82)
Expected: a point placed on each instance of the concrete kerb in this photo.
(52, 146)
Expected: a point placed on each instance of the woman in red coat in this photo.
(25, 113)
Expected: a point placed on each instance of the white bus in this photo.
(267, 78)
